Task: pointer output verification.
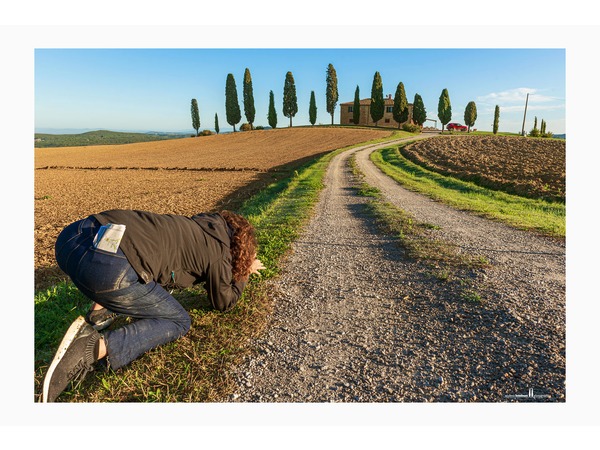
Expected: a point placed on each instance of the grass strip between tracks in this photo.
(442, 260)
(199, 366)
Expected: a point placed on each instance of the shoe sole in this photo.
(102, 325)
(62, 349)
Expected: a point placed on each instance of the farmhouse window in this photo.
(387, 120)
(389, 109)
(350, 108)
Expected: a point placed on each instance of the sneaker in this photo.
(77, 353)
(100, 319)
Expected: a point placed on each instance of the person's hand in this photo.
(256, 266)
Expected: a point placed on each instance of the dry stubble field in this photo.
(181, 176)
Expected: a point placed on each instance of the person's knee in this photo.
(184, 323)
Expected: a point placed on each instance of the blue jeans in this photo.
(108, 279)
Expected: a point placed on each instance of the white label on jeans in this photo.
(109, 237)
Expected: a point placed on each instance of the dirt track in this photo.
(356, 321)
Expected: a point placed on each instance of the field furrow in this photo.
(529, 167)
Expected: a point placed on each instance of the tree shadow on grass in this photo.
(47, 276)
(236, 199)
(59, 302)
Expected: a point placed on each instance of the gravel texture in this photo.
(355, 320)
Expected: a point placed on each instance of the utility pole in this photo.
(524, 115)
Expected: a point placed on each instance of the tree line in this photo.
(540, 132)
(400, 110)
(290, 102)
(470, 116)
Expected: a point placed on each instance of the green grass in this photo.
(413, 235)
(197, 367)
(471, 296)
(481, 133)
(442, 260)
(101, 137)
(530, 214)
(490, 133)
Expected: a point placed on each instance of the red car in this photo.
(456, 126)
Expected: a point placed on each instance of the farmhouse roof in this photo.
(367, 101)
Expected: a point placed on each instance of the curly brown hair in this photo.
(243, 245)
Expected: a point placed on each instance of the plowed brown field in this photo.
(180, 176)
(523, 166)
(256, 150)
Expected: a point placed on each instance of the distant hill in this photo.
(559, 136)
(100, 137)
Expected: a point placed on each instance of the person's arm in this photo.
(222, 291)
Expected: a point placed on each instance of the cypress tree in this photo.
(496, 119)
(195, 116)
(232, 106)
(356, 107)
(377, 102)
(312, 108)
(216, 123)
(331, 93)
(272, 116)
(444, 108)
(535, 132)
(400, 109)
(419, 113)
(249, 109)
(470, 115)
(290, 101)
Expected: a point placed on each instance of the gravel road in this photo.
(355, 320)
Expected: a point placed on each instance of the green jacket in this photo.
(179, 251)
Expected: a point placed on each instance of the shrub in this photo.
(245, 127)
(411, 127)
(206, 133)
(259, 127)
(535, 131)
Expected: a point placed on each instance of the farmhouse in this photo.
(347, 113)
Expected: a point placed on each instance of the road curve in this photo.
(355, 320)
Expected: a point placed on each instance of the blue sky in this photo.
(143, 89)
